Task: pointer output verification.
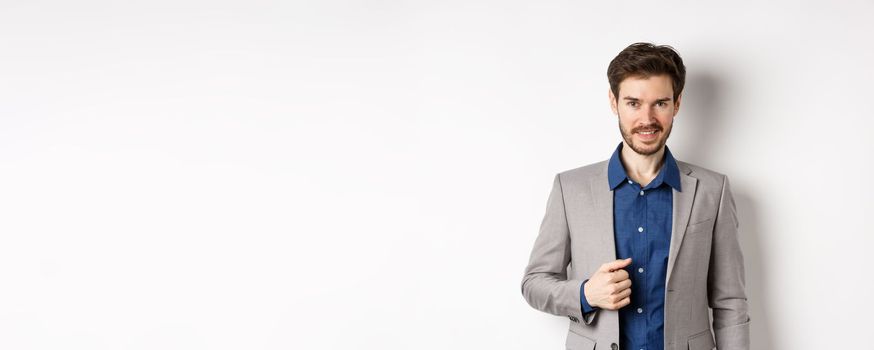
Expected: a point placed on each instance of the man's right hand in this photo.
(609, 288)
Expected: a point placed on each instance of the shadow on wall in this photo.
(707, 118)
(701, 116)
(757, 273)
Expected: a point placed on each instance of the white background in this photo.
(372, 174)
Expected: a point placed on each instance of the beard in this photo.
(645, 149)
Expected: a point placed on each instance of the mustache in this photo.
(652, 127)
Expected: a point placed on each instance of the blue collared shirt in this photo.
(642, 231)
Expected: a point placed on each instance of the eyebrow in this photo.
(663, 99)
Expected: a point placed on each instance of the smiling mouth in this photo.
(647, 135)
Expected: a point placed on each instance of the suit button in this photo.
(614, 346)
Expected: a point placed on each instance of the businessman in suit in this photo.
(637, 250)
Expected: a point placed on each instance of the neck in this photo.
(641, 168)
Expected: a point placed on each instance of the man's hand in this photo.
(609, 288)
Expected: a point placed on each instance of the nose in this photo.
(651, 114)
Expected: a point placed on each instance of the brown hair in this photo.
(644, 60)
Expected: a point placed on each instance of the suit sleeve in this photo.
(545, 285)
(725, 279)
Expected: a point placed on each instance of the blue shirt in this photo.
(642, 231)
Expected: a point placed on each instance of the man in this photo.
(638, 249)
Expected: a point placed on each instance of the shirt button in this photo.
(631, 182)
(641, 192)
(640, 270)
(639, 310)
(640, 229)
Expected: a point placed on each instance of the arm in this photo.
(725, 279)
(545, 285)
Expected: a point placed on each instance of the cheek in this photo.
(665, 115)
(626, 123)
(628, 112)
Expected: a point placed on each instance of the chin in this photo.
(647, 149)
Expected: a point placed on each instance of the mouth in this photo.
(647, 135)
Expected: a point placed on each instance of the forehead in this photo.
(652, 87)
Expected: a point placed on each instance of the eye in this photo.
(632, 103)
(662, 104)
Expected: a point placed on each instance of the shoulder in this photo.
(578, 180)
(707, 178)
(584, 172)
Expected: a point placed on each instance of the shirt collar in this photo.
(669, 173)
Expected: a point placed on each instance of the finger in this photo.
(618, 275)
(615, 265)
(622, 294)
(622, 303)
(622, 285)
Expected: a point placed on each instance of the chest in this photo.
(642, 222)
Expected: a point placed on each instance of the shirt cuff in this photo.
(585, 304)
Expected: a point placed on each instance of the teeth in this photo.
(647, 132)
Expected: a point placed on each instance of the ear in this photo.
(613, 104)
(677, 104)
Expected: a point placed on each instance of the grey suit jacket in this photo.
(705, 264)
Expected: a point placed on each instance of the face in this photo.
(646, 110)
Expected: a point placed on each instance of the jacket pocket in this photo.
(702, 341)
(701, 226)
(578, 341)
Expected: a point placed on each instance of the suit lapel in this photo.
(682, 208)
(603, 209)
